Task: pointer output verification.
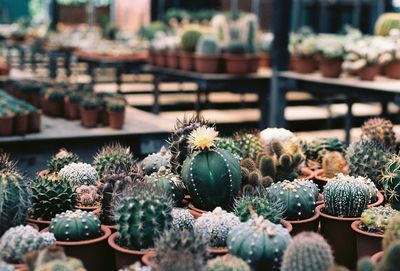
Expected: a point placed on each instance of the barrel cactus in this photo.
(259, 242)
(249, 143)
(307, 251)
(209, 171)
(392, 232)
(390, 181)
(376, 219)
(267, 136)
(297, 197)
(87, 195)
(315, 150)
(386, 22)
(61, 159)
(182, 219)
(346, 196)
(19, 240)
(333, 163)
(381, 130)
(227, 263)
(68, 264)
(79, 174)
(189, 40)
(207, 45)
(215, 226)
(113, 158)
(230, 145)
(153, 162)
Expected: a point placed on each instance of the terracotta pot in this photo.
(148, 260)
(20, 267)
(160, 59)
(304, 64)
(103, 117)
(34, 226)
(21, 124)
(337, 231)
(36, 99)
(4, 67)
(368, 73)
(42, 224)
(186, 61)
(53, 108)
(172, 60)
(265, 60)
(123, 256)
(377, 257)
(286, 224)
(253, 63)
(309, 224)
(91, 209)
(330, 67)
(392, 70)
(152, 58)
(88, 117)
(206, 63)
(6, 126)
(34, 121)
(320, 199)
(306, 174)
(116, 119)
(367, 243)
(235, 64)
(217, 251)
(95, 254)
(195, 211)
(71, 109)
(320, 180)
(379, 201)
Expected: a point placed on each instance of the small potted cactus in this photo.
(390, 181)
(60, 160)
(88, 198)
(207, 56)
(116, 113)
(235, 58)
(227, 262)
(379, 129)
(6, 122)
(53, 101)
(303, 49)
(188, 46)
(331, 51)
(182, 219)
(79, 174)
(390, 244)
(72, 101)
(172, 51)
(250, 23)
(265, 47)
(89, 108)
(333, 163)
(153, 162)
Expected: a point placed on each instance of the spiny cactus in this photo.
(153, 162)
(365, 264)
(333, 163)
(87, 195)
(113, 158)
(379, 129)
(207, 45)
(346, 196)
(390, 181)
(252, 177)
(316, 149)
(307, 251)
(367, 158)
(376, 219)
(227, 263)
(79, 174)
(189, 40)
(75, 226)
(215, 226)
(251, 22)
(267, 136)
(259, 242)
(61, 159)
(390, 260)
(182, 219)
(249, 143)
(230, 145)
(14, 195)
(19, 240)
(392, 232)
(52, 195)
(298, 198)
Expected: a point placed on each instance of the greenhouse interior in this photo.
(202, 135)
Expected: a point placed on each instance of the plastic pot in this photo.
(206, 63)
(235, 64)
(88, 117)
(377, 257)
(148, 260)
(253, 63)
(392, 70)
(368, 73)
(6, 126)
(160, 59)
(21, 124)
(71, 109)
(172, 60)
(196, 212)
(116, 119)
(330, 67)
(34, 121)
(217, 251)
(53, 108)
(42, 224)
(368, 243)
(265, 60)
(309, 224)
(304, 64)
(186, 61)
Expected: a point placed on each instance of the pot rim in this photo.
(147, 259)
(379, 200)
(115, 246)
(287, 225)
(207, 56)
(33, 220)
(355, 227)
(377, 257)
(235, 57)
(104, 229)
(217, 250)
(307, 172)
(302, 221)
(319, 210)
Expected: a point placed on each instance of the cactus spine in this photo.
(153, 162)
(392, 232)
(376, 219)
(61, 159)
(227, 263)
(113, 158)
(79, 174)
(381, 130)
(391, 180)
(333, 163)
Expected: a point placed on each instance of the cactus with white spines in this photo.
(267, 136)
(227, 263)
(376, 219)
(79, 174)
(153, 162)
(182, 219)
(391, 181)
(87, 195)
(61, 159)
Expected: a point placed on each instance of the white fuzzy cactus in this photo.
(274, 134)
(182, 219)
(79, 174)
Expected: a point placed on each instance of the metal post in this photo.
(235, 8)
(112, 13)
(323, 17)
(297, 13)
(161, 9)
(356, 13)
(255, 7)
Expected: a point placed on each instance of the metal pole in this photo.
(112, 12)
(235, 8)
(255, 7)
(356, 13)
(161, 9)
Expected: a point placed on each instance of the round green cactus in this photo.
(230, 145)
(249, 144)
(61, 159)
(113, 158)
(392, 232)
(79, 174)
(182, 219)
(259, 242)
(307, 251)
(153, 162)
(75, 226)
(376, 219)
(316, 149)
(227, 263)
(391, 180)
(207, 45)
(189, 40)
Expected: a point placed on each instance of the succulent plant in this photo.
(153, 162)
(367, 158)
(87, 195)
(69, 264)
(215, 226)
(381, 130)
(236, 47)
(207, 45)
(61, 159)
(390, 260)
(365, 264)
(19, 240)
(51, 195)
(189, 40)
(390, 181)
(346, 196)
(267, 136)
(209, 170)
(307, 251)
(392, 232)
(113, 158)
(79, 174)
(14, 195)
(252, 177)
(227, 263)
(230, 145)
(177, 260)
(333, 163)
(249, 144)
(316, 149)
(259, 242)
(298, 198)
(251, 27)
(376, 219)
(182, 219)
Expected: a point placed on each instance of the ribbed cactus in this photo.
(215, 226)
(87, 195)
(307, 251)
(390, 181)
(249, 144)
(189, 40)
(227, 263)
(298, 198)
(259, 242)
(52, 195)
(19, 240)
(390, 261)
(346, 196)
(113, 158)
(153, 162)
(61, 159)
(207, 45)
(376, 219)
(250, 38)
(182, 219)
(267, 136)
(75, 226)
(230, 145)
(381, 130)
(316, 149)
(392, 232)
(69, 264)
(79, 174)
(386, 22)
(333, 163)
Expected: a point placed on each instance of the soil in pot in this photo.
(21, 123)
(71, 109)
(265, 60)
(392, 70)
(34, 121)
(206, 63)
(116, 119)
(368, 73)
(304, 64)
(186, 61)
(330, 67)
(368, 243)
(88, 117)
(253, 63)
(172, 60)
(309, 224)
(235, 64)
(6, 125)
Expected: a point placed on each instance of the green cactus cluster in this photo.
(259, 242)
(189, 40)
(229, 144)
(79, 174)
(252, 177)
(249, 144)
(269, 135)
(61, 159)
(51, 195)
(113, 158)
(207, 45)
(392, 232)
(381, 130)
(19, 240)
(298, 198)
(153, 162)
(386, 22)
(75, 226)
(317, 148)
(376, 219)
(227, 263)
(346, 196)
(391, 181)
(182, 219)
(307, 251)
(215, 226)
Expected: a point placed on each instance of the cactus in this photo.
(249, 143)
(87, 195)
(14, 195)
(298, 198)
(365, 264)
(209, 170)
(346, 196)
(70, 264)
(153, 162)
(79, 174)
(392, 232)
(182, 219)
(315, 150)
(19, 240)
(259, 242)
(227, 263)
(390, 260)
(175, 260)
(367, 158)
(189, 40)
(6, 267)
(390, 181)
(236, 47)
(75, 226)
(113, 158)
(230, 145)
(267, 136)
(52, 195)
(207, 45)
(386, 22)
(307, 251)
(252, 177)
(376, 219)
(215, 226)
(61, 159)
(381, 130)
(250, 34)
(333, 163)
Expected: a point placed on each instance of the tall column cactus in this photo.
(391, 181)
